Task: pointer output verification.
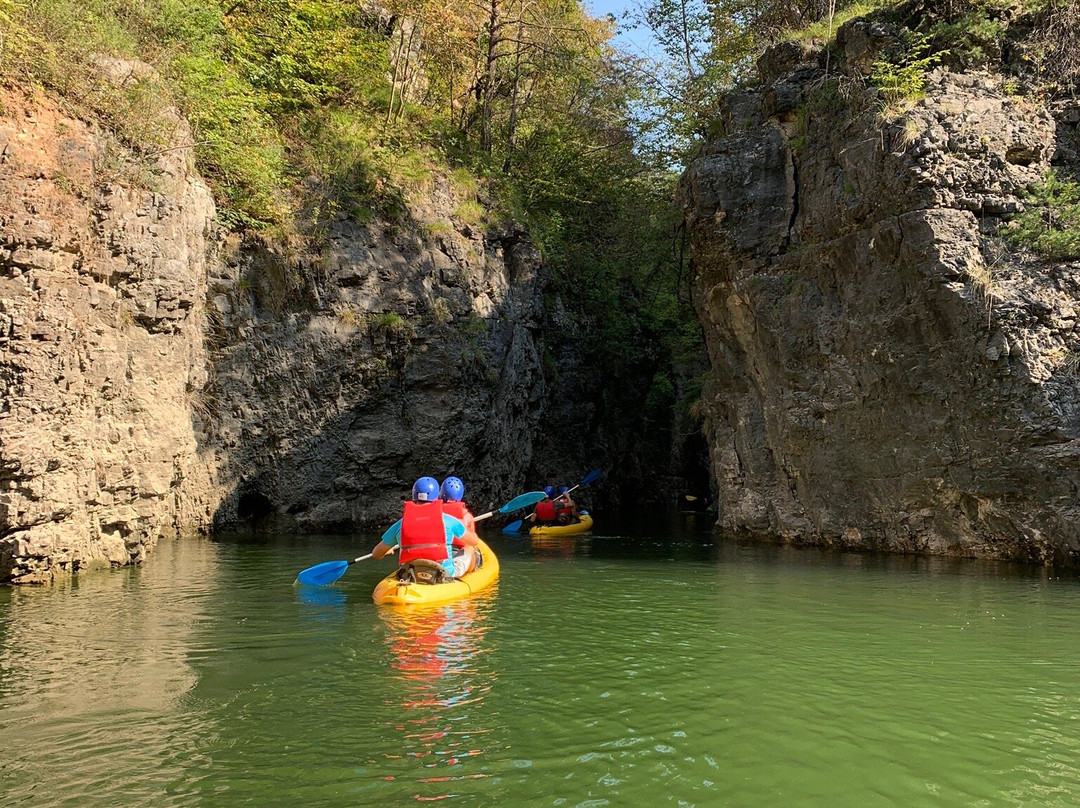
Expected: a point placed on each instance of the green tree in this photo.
(702, 49)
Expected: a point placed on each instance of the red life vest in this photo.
(422, 533)
(545, 511)
(563, 509)
(459, 511)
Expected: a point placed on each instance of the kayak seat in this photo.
(423, 571)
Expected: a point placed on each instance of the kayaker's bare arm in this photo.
(380, 550)
(470, 539)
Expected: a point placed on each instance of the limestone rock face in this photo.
(102, 290)
(158, 376)
(885, 373)
(400, 351)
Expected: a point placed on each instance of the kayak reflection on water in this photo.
(440, 681)
(437, 647)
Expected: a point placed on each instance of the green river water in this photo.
(658, 667)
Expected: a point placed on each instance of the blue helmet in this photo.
(549, 491)
(426, 489)
(563, 489)
(453, 489)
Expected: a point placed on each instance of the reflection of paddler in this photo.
(436, 646)
(417, 651)
(427, 644)
(436, 656)
(564, 547)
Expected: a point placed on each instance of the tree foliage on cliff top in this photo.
(709, 46)
(342, 101)
(306, 109)
(706, 47)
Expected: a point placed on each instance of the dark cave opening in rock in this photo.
(253, 506)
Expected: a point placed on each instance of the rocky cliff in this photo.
(102, 306)
(886, 371)
(400, 350)
(160, 375)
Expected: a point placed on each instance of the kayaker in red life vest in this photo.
(452, 493)
(565, 509)
(424, 531)
(545, 513)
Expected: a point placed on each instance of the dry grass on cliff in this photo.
(985, 286)
(1056, 44)
(824, 30)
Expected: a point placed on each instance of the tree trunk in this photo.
(512, 124)
(489, 78)
(394, 80)
(406, 74)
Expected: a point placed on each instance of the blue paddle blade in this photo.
(323, 574)
(522, 501)
(591, 477)
(513, 527)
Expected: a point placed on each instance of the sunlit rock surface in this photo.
(885, 372)
(160, 376)
(102, 289)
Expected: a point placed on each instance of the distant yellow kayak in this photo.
(392, 592)
(584, 526)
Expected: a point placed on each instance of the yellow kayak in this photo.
(584, 526)
(393, 592)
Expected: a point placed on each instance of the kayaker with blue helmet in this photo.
(545, 514)
(452, 494)
(425, 532)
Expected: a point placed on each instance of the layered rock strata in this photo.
(159, 379)
(159, 376)
(102, 303)
(399, 351)
(886, 372)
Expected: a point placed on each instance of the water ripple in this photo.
(756, 680)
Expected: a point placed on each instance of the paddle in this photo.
(521, 501)
(591, 477)
(329, 571)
